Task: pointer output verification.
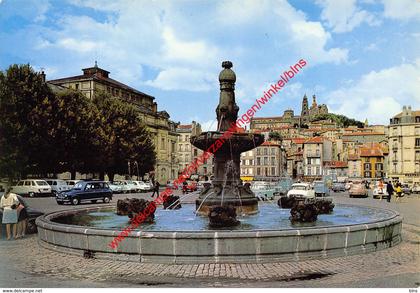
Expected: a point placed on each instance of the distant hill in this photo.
(341, 120)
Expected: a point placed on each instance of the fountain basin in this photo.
(237, 142)
(248, 244)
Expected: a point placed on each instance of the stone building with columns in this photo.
(163, 130)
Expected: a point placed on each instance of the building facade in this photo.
(316, 151)
(404, 146)
(187, 153)
(163, 131)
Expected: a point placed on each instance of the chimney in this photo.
(154, 107)
(409, 110)
(43, 76)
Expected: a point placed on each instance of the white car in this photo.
(57, 185)
(115, 187)
(263, 190)
(415, 188)
(71, 183)
(32, 187)
(125, 187)
(142, 186)
(301, 190)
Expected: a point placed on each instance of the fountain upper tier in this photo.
(238, 142)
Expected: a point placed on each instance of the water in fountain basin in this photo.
(269, 218)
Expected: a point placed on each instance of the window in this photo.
(163, 143)
(417, 142)
(258, 151)
(77, 86)
(273, 151)
(309, 171)
(318, 171)
(379, 166)
(265, 161)
(27, 183)
(265, 151)
(195, 152)
(367, 166)
(258, 161)
(273, 171)
(273, 160)
(258, 171)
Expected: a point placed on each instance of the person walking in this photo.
(389, 190)
(9, 204)
(22, 220)
(398, 191)
(156, 188)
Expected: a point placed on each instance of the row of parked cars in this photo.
(39, 187)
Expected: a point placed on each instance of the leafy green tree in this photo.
(123, 138)
(275, 136)
(21, 89)
(341, 120)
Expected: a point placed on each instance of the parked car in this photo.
(114, 187)
(358, 189)
(282, 186)
(348, 185)
(32, 215)
(125, 187)
(190, 186)
(338, 187)
(263, 190)
(86, 191)
(405, 188)
(416, 188)
(32, 187)
(71, 183)
(301, 190)
(143, 186)
(379, 191)
(57, 185)
(321, 188)
(171, 185)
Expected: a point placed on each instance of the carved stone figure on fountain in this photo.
(133, 206)
(222, 216)
(303, 212)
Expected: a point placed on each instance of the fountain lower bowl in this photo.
(179, 236)
(240, 142)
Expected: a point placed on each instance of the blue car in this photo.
(86, 191)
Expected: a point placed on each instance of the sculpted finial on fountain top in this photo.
(227, 110)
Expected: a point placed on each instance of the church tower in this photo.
(304, 114)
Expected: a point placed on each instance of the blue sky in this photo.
(363, 56)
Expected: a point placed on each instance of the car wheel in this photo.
(31, 194)
(75, 201)
(106, 199)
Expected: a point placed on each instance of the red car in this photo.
(190, 186)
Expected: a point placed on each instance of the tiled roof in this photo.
(363, 133)
(335, 164)
(270, 143)
(316, 139)
(184, 126)
(353, 157)
(371, 152)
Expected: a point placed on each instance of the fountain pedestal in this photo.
(227, 188)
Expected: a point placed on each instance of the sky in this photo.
(363, 56)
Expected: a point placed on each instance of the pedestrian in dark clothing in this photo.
(156, 189)
(389, 190)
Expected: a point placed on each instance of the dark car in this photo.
(32, 215)
(86, 191)
(337, 187)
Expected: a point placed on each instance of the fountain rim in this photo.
(45, 221)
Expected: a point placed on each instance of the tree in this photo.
(21, 89)
(275, 136)
(123, 138)
(341, 120)
(67, 132)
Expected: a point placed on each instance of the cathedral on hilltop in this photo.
(289, 118)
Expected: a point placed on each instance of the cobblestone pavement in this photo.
(398, 266)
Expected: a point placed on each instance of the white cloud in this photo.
(402, 9)
(372, 47)
(77, 45)
(344, 15)
(379, 95)
(183, 78)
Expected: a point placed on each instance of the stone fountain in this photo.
(227, 188)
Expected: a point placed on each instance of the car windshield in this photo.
(299, 187)
(41, 183)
